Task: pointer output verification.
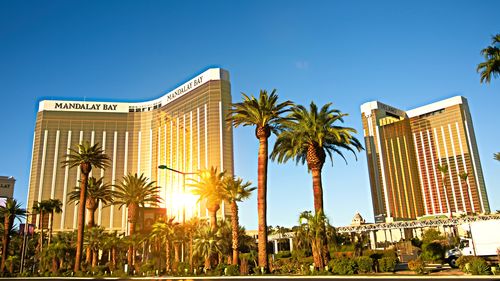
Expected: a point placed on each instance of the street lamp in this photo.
(165, 167)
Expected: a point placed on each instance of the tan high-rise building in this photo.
(418, 159)
(185, 129)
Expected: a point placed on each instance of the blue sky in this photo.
(346, 52)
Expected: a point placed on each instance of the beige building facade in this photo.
(185, 129)
(423, 161)
(7, 187)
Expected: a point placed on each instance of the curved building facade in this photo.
(184, 129)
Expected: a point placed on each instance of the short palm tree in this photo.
(234, 190)
(163, 231)
(10, 211)
(309, 136)
(86, 157)
(97, 192)
(94, 238)
(55, 207)
(206, 245)
(134, 192)
(312, 228)
(266, 114)
(491, 66)
(209, 187)
(191, 226)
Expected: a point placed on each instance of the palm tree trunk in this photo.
(318, 207)
(167, 254)
(113, 258)
(55, 265)
(213, 217)
(235, 223)
(317, 189)
(5, 242)
(51, 214)
(131, 250)
(191, 252)
(94, 258)
(176, 256)
(90, 224)
(41, 231)
(81, 220)
(262, 202)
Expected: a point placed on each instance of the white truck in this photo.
(481, 239)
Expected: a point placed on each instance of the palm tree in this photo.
(312, 229)
(464, 177)
(496, 156)
(94, 239)
(135, 192)
(163, 231)
(97, 192)
(491, 66)
(234, 190)
(265, 113)
(309, 136)
(55, 207)
(206, 245)
(41, 209)
(209, 188)
(111, 243)
(85, 156)
(444, 172)
(191, 227)
(10, 211)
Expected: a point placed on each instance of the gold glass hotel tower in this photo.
(184, 129)
(405, 150)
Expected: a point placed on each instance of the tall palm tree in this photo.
(309, 136)
(491, 66)
(266, 114)
(135, 192)
(55, 207)
(234, 190)
(464, 177)
(85, 156)
(209, 187)
(97, 192)
(496, 156)
(10, 211)
(444, 174)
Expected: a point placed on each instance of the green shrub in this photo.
(283, 254)
(232, 270)
(433, 252)
(418, 266)
(219, 269)
(343, 266)
(478, 266)
(462, 261)
(387, 264)
(364, 264)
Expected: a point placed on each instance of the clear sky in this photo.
(346, 52)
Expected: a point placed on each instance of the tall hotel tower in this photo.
(423, 161)
(184, 129)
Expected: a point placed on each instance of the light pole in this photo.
(165, 167)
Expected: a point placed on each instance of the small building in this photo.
(6, 188)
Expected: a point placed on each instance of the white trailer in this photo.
(482, 239)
